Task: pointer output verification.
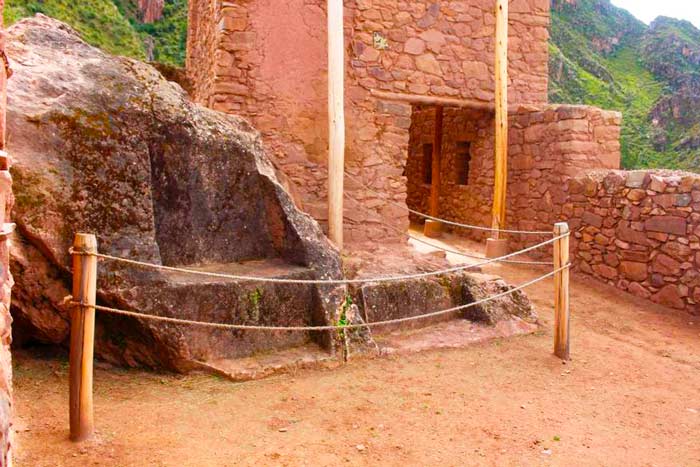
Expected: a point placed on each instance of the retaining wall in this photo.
(639, 231)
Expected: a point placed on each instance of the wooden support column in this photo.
(82, 338)
(433, 228)
(501, 144)
(497, 246)
(561, 291)
(336, 120)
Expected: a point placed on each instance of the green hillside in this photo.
(114, 25)
(601, 55)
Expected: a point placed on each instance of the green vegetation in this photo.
(168, 37)
(114, 26)
(601, 55)
(98, 21)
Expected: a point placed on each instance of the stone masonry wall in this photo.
(270, 66)
(548, 145)
(462, 203)
(202, 55)
(639, 231)
(5, 282)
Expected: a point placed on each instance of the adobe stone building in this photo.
(267, 60)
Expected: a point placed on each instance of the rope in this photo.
(466, 255)
(315, 281)
(445, 221)
(242, 327)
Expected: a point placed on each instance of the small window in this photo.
(428, 164)
(463, 160)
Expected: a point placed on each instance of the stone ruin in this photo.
(105, 144)
(639, 231)
(267, 60)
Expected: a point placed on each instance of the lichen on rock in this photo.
(106, 145)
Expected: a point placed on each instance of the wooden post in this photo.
(561, 290)
(432, 228)
(82, 338)
(437, 163)
(501, 143)
(336, 120)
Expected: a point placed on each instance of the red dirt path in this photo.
(630, 397)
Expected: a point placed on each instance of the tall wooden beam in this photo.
(336, 120)
(501, 143)
(437, 164)
(433, 228)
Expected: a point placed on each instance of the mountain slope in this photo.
(602, 55)
(599, 55)
(116, 25)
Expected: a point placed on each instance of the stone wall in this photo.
(270, 66)
(202, 39)
(639, 231)
(6, 282)
(548, 145)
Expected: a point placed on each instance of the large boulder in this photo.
(106, 145)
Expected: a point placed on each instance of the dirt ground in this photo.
(631, 396)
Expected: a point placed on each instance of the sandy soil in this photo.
(630, 397)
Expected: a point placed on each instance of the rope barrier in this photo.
(243, 327)
(277, 280)
(466, 255)
(445, 221)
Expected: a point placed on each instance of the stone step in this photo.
(219, 300)
(452, 334)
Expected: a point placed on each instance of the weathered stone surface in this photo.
(667, 224)
(634, 271)
(664, 264)
(6, 281)
(106, 145)
(652, 223)
(669, 296)
(638, 290)
(380, 302)
(151, 10)
(635, 179)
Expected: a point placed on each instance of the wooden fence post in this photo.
(561, 290)
(82, 337)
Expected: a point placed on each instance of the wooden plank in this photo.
(561, 290)
(501, 143)
(437, 163)
(432, 100)
(82, 338)
(336, 120)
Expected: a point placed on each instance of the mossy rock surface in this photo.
(107, 145)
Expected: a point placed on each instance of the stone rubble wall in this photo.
(270, 62)
(548, 145)
(462, 203)
(6, 283)
(202, 48)
(639, 231)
